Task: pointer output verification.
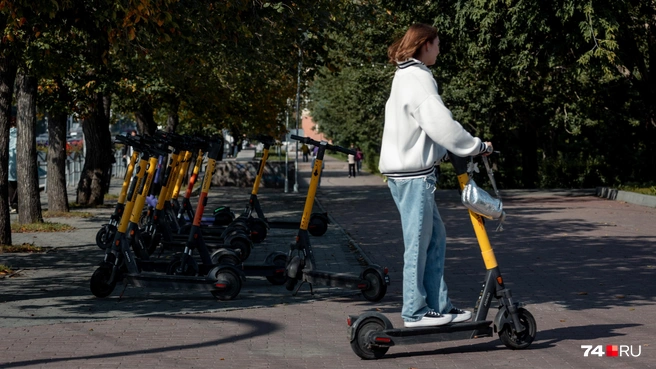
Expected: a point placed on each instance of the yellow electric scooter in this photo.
(372, 334)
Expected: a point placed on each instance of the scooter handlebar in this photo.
(308, 140)
(265, 139)
(126, 140)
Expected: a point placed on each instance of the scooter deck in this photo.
(281, 224)
(262, 270)
(332, 279)
(449, 332)
(150, 279)
(182, 238)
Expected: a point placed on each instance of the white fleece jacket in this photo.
(419, 129)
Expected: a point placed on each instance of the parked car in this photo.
(42, 139)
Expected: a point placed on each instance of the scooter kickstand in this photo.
(299, 287)
(125, 286)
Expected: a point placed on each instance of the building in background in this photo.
(311, 129)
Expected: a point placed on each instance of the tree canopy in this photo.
(562, 88)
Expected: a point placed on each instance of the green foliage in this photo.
(562, 89)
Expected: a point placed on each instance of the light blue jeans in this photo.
(424, 237)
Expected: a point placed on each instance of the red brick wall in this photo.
(308, 126)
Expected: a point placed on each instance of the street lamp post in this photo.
(298, 115)
(289, 103)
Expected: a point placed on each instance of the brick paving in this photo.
(584, 265)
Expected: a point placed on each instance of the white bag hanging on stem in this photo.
(479, 201)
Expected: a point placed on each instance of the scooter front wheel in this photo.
(279, 261)
(176, 267)
(258, 229)
(100, 283)
(242, 246)
(521, 340)
(224, 257)
(361, 345)
(290, 283)
(229, 283)
(318, 226)
(105, 236)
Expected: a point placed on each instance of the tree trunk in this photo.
(173, 118)
(29, 200)
(7, 77)
(145, 119)
(57, 194)
(94, 181)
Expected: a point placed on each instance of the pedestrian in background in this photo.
(359, 156)
(351, 163)
(306, 153)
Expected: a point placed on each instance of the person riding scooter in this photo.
(418, 131)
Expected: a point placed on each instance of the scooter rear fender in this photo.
(357, 320)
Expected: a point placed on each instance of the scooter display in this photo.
(301, 264)
(371, 334)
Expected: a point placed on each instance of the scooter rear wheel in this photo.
(377, 287)
(232, 285)
(517, 341)
(361, 345)
(100, 285)
(290, 283)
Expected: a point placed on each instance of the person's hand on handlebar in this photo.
(489, 150)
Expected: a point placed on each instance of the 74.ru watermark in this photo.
(612, 350)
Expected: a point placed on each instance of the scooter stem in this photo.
(479, 228)
(312, 191)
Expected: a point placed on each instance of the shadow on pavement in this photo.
(255, 328)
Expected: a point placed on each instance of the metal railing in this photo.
(74, 165)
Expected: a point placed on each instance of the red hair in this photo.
(408, 46)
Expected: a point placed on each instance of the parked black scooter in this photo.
(182, 271)
(372, 334)
(373, 280)
(318, 221)
(106, 233)
(162, 223)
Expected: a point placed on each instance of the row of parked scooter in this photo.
(154, 240)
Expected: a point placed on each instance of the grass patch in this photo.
(110, 196)
(64, 214)
(26, 247)
(340, 156)
(645, 190)
(74, 205)
(5, 269)
(40, 227)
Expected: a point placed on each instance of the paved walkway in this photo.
(584, 265)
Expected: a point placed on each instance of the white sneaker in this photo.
(459, 315)
(430, 319)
